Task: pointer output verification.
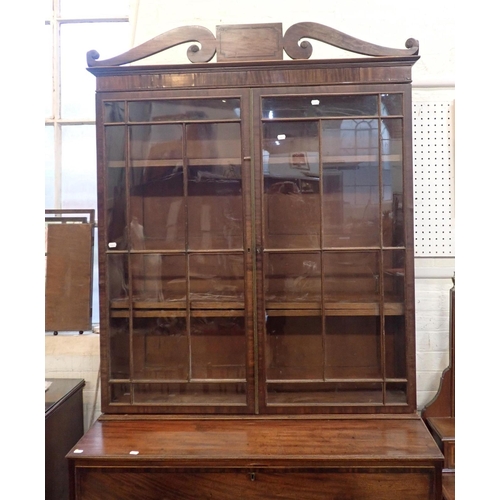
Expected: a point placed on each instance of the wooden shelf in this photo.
(176, 162)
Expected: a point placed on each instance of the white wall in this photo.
(386, 22)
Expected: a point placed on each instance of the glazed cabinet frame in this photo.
(252, 247)
(256, 226)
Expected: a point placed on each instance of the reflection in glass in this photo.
(351, 276)
(319, 105)
(215, 207)
(351, 188)
(218, 348)
(291, 185)
(392, 177)
(325, 393)
(353, 347)
(396, 393)
(120, 393)
(119, 350)
(292, 277)
(217, 279)
(294, 347)
(116, 204)
(114, 111)
(118, 279)
(155, 142)
(191, 394)
(184, 110)
(214, 140)
(391, 104)
(394, 275)
(395, 346)
(161, 349)
(158, 278)
(157, 211)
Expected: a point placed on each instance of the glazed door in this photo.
(332, 247)
(256, 247)
(175, 246)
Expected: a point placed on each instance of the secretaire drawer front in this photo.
(256, 484)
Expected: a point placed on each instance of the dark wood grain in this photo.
(302, 416)
(243, 442)
(317, 31)
(249, 458)
(449, 486)
(162, 42)
(256, 74)
(443, 431)
(240, 42)
(255, 484)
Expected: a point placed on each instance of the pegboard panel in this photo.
(433, 178)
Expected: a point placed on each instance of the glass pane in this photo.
(324, 393)
(395, 347)
(119, 351)
(77, 84)
(216, 280)
(161, 348)
(294, 347)
(114, 112)
(351, 183)
(118, 281)
(353, 347)
(158, 279)
(214, 140)
(157, 211)
(394, 276)
(396, 393)
(120, 393)
(116, 204)
(114, 142)
(184, 109)
(155, 143)
(215, 207)
(79, 179)
(392, 178)
(391, 104)
(94, 8)
(190, 394)
(50, 174)
(291, 185)
(319, 105)
(292, 277)
(351, 276)
(218, 348)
